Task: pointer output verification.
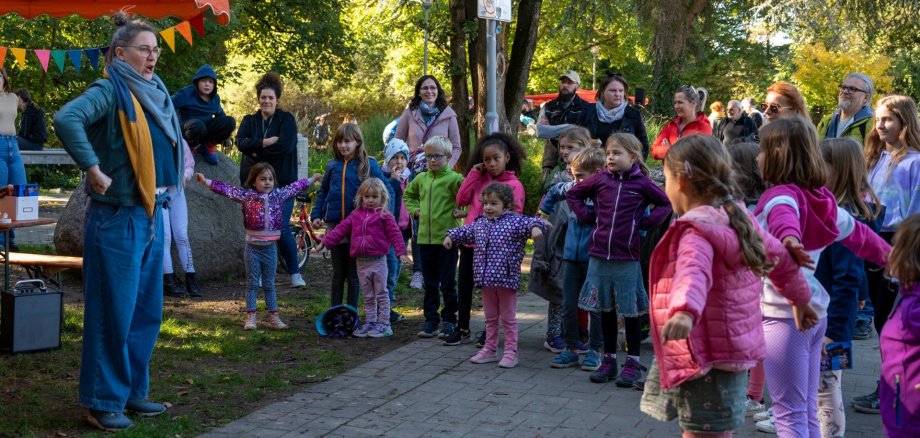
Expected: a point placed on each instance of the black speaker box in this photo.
(640, 96)
(30, 322)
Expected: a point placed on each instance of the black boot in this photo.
(191, 285)
(172, 287)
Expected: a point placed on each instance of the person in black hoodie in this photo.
(204, 123)
(33, 131)
(270, 135)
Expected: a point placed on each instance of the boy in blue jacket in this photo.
(204, 123)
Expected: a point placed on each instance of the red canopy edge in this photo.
(587, 95)
(156, 9)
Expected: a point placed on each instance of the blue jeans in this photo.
(867, 312)
(286, 245)
(12, 171)
(123, 302)
(261, 263)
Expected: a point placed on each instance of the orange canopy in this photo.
(156, 9)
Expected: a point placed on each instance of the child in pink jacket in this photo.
(371, 229)
(705, 284)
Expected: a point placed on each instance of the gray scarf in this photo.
(611, 115)
(153, 97)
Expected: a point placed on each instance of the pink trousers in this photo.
(498, 304)
(756, 380)
(372, 276)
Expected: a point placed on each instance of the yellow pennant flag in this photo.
(185, 29)
(169, 36)
(20, 55)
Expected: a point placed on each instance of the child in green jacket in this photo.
(431, 198)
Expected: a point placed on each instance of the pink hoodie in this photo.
(371, 232)
(813, 217)
(697, 268)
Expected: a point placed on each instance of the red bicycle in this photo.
(304, 234)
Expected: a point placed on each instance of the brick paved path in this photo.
(426, 389)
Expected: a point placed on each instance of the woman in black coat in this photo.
(611, 113)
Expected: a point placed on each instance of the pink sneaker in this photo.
(485, 356)
(509, 360)
(250, 321)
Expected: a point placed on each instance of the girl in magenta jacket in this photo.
(497, 158)
(801, 212)
(705, 289)
(371, 229)
(899, 389)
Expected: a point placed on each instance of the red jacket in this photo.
(671, 131)
(697, 268)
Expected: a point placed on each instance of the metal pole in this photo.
(491, 114)
(426, 5)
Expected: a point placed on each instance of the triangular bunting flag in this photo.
(169, 36)
(93, 55)
(197, 23)
(20, 55)
(76, 58)
(58, 56)
(185, 30)
(2, 55)
(43, 56)
(104, 51)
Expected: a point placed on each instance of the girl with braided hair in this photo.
(705, 281)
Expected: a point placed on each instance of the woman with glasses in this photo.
(784, 100)
(124, 133)
(270, 136)
(688, 104)
(427, 116)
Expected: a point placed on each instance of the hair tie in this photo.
(687, 169)
(728, 199)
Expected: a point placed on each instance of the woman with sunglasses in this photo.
(784, 100)
(688, 104)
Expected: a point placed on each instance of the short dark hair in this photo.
(270, 81)
(503, 192)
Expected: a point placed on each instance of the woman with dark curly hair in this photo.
(270, 136)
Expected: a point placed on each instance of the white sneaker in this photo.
(250, 321)
(297, 281)
(766, 426)
(752, 407)
(763, 415)
(416, 282)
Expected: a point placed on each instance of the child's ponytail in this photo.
(705, 162)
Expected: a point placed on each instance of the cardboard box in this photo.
(23, 204)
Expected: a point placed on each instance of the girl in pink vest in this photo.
(705, 280)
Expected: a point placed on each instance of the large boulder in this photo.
(215, 224)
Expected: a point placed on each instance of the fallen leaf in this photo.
(167, 404)
(190, 381)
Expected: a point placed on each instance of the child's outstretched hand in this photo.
(536, 233)
(318, 248)
(448, 243)
(797, 251)
(805, 317)
(201, 179)
(317, 177)
(405, 259)
(459, 214)
(677, 328)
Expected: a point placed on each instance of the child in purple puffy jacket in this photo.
(371, 229)
(262, 217)
(499, 236)
(899, 389)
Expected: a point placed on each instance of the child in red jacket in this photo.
(371, 229)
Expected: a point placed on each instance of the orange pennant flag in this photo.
(169, 36)
(2, 55)
(185, 29)
(20, 55)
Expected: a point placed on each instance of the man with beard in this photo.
(562, 110)
(853, 116)
(735, 128)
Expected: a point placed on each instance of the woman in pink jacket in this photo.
(428, 115)
(371, 228)
(705, 289)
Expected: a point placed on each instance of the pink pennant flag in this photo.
(43, 57)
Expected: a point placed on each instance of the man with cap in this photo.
(204, 123)
(562, 110)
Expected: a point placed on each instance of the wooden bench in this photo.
(44, 265)
(47, 156)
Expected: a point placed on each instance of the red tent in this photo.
(184, 9)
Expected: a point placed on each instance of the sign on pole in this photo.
(499, 10)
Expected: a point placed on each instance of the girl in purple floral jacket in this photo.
(262, 217)
(499, 236)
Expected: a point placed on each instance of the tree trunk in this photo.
(673, 22)
(522, 51)
(458, 73)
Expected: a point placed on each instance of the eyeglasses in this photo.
(147, 50)
(772, 108)
(434, 157)
(850, 90)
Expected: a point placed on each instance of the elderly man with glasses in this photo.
(853, 116)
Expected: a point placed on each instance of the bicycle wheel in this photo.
(304, 245)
